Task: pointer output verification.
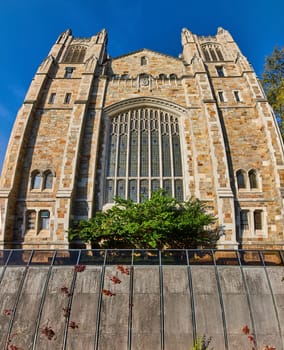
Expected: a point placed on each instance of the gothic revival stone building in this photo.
(92, 127)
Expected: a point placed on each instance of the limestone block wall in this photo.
(225, 125)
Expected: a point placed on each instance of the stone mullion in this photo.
(117, 153)
(171, 154)
(139, 151)
(127, 153)
(149, 153)
(160, 148)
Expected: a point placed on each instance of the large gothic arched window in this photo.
(144, 154)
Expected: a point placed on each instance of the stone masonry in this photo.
(231, 149)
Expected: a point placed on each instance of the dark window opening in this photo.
(244, 220)
(68, 72)
(241, 179)
(257, 216)
(44, 217)
(220, 71)
(252, 179)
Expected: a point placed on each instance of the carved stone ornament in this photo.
(144, 81)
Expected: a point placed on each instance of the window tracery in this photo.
(75, 54)
(212, 52)
(144, 154)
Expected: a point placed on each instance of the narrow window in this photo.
(221, 96)
(237, 96)
(257, 216)
(144, 154)
(241, 179)
(36, 181)
(30, 220)
(219, 54)
(52, 97)
(213, 54)
(220, 71)
(244, 220)
(75, 54)
(44, 217)
(144, 61)
(48, 180)
(206, 54)
(67, 98)
(252, 179)
(68, 72)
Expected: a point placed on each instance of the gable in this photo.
(156, 63)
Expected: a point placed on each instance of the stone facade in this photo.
(211, 107)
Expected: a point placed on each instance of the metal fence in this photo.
(18, 257)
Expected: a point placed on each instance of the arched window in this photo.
(44, 217)
(144, 61)
(173, 76)
(241, 180)
(257, 217)
(162, 76)
(144, 154)
(75, 54)
(252, 179)
(36, 180)
(212, 52)
(125, 76)
(30, 220)
(244, 221)
(47, 180)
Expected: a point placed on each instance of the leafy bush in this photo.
(159, 222)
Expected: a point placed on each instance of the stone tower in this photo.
(92, 127)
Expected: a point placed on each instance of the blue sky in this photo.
(29, 28)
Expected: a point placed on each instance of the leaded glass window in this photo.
(244, 220)
(212, 52)
(252, 179)
(75, 54)
(48, 180)
(144, 154)
(44, 216)
(241, 179)
(36, 181)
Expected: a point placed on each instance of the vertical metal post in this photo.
(191, 294)
(162, 315)
(273, 300)
(221, 302)
(69, 305)
(129, 339)
(100, 303)
(42, 301)
(17, 301)
(248, 301)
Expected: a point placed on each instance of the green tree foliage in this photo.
(273, 83)
(161, 221)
